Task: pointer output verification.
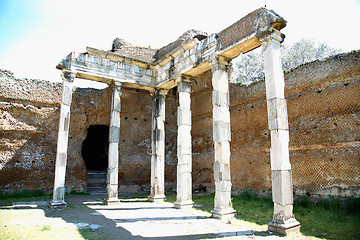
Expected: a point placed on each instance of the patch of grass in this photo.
(22, 194)
(92, 235)
(253, 209)
(328, 219)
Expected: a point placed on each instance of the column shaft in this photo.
(283, 221)
(158, 147)
(222, 137)
(184, 155)
(62, 141)
(114, 135)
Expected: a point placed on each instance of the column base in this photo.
(112, 201)
(157, 198)
(223, 214)
(184, 204)
(291, 226)
(58, 204)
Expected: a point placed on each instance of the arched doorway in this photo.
(95, 148)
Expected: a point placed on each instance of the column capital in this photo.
(69, 76)
(185, 78)
(272, 35)
(161, 92)
(116, 85)
(219, 63)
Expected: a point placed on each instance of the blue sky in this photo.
(36, 34)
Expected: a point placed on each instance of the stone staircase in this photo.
(96, 182)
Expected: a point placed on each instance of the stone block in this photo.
(221, 172)
(61, 158)
(60, 172)
(114, 134)
(115, 119)
(159, 123)
(222, 152)
(59, 193)
(274, 76)
(113, 154)
(221, 131)
(282, 193)
(221, 114)
(184, 87)
(158, 135)
(116, 101)
(277, 114)
(279, 151)
(67, 94)
(184, 100)
(62, 142)
(160, 148)
(183, 117)
(112, 191)
(222, 198)
(220, 98)
(184, 168)
(220, 81)
(183, 149)
(112, 175)
(185, 159)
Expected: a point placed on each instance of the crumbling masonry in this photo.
(176, 65)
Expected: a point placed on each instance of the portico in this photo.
(176, 65)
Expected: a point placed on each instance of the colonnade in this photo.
(283, 219)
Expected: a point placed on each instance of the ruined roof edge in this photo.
(255, 22)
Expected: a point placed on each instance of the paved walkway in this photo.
(139, 219)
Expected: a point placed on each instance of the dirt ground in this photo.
(86, 217)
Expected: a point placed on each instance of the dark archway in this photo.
(95, 147)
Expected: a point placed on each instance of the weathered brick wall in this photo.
(29, 117)
(324, 121)
(323, 100)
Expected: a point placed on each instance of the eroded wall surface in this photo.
(323, 100)
(29, 117)
(324, 120)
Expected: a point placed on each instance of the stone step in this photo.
(97, 173)
(96, 180)
(96, 185)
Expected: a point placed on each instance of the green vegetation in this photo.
(22, 194)
(329, 219)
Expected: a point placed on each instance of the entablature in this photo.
(188, 57)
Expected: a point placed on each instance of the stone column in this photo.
(158, 146)
(114, 135)
(222, 137)
(62, 141)
(184, 167)
(283, 221)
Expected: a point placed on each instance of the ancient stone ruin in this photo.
(164, 123)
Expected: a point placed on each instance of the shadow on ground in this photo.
(140, 220)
